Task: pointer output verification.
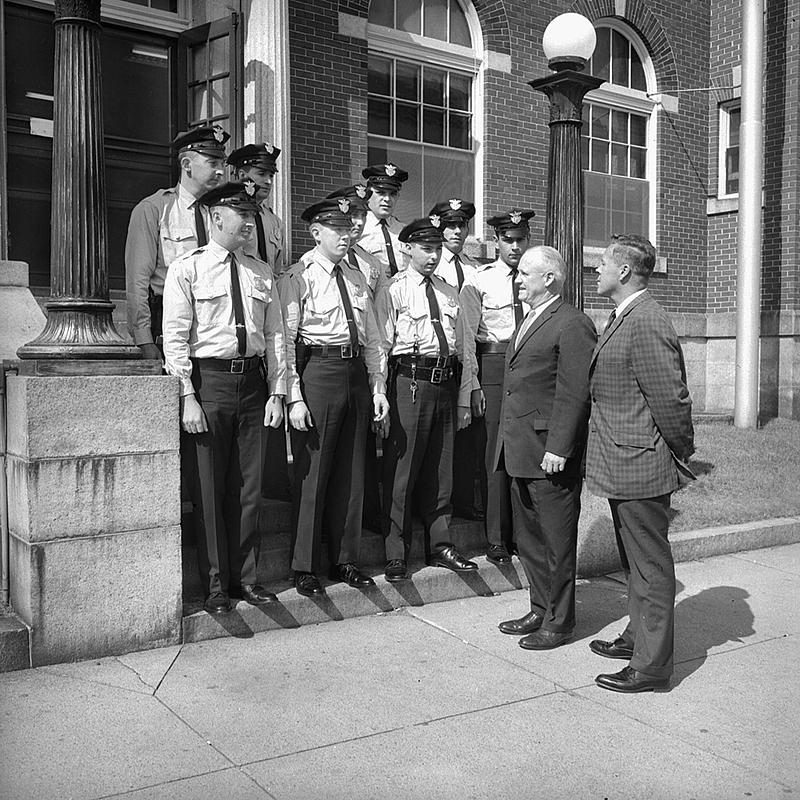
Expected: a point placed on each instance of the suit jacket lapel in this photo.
(535, 325)
(612, 329)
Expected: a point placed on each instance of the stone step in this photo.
(14, 642)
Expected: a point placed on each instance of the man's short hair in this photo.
(552, 261)
(639, 253)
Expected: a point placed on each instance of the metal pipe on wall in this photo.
(751, 174)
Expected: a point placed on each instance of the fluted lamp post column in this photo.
(79, 324)
(568, 42)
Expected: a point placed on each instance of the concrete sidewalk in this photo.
(431, 702)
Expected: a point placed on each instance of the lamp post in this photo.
(568, 42)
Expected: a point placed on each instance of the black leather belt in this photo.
(329, 351)
(491, 347)
(430, 362)
(430, 374)
(236, 366)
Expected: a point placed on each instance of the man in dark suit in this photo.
(541, 440)
(640, 436)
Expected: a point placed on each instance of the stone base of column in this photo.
(94, 513)
(21, 318)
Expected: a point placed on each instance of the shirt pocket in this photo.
(259, 300)
(361, 306)
(410, 325)
(320, 310)
(175, 242)
(449, 314)
(211, 303)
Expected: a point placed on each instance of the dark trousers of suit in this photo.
(372, 497)
(228, 459)
(328, 490)
(418, 460)
(546, 512)
(495, 484)
(276, 465)
(641, 527)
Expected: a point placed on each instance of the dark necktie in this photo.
(200, 226)
(262, 242)
(459, 271)
(436, 320)
(611, 317)
(351, 257)
(515, 294)
(348, 307)
(238, 309)
(389, 248)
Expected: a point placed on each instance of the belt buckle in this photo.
(237, 366)
(347, 350)
(437, 374)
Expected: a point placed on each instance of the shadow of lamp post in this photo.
(568, 42)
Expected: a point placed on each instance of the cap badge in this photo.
(391, 169)
(250, 187)
(344, 205)
(455, 204)
(361, 190)
(269, 148)
(436, 220)
(515, 217)
(219, 134)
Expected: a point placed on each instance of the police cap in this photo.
(241, 196)
(333, 211)
(385, 176)
(454, 211)
(259, 155)
(513, 220)
(206, 139)
(426, 230)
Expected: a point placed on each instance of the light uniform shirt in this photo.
(406, 327)
(373, 242)
(199, 320)
(274, 239)
(161, 228)
(446, 269)
(313, 313)
(370, 267)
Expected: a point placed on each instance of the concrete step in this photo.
(14, 642)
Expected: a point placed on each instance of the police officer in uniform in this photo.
(493, 310)
(335, 388)
(454, 266)
(423, 336)
(382, 228)
(258, 163)
(167, 224)
(222, 319)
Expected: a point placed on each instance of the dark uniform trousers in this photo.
(547, 511)
(328, 489)
(228, 459)
(641, 528)
(465, 465)
(418, 455)
(495, 484)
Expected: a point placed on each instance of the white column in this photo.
(266, 91)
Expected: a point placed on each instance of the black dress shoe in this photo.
(256, 595)
(519, 627)
(628, 681)
(217, 603)
(351, 575)
(396, 571)
(544, 640)
(307, 584)
(464, 512)
(450, 558)
(616, 649)
(498, 554)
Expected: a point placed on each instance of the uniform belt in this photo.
(329, 351)
(491, 347)
(430, 374)
(429, 362)
(236, 366)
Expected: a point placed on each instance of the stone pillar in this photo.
(564, 222)
(266, 92)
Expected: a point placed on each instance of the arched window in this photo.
(618, 138)
(423, 96)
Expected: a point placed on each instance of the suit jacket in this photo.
(546, 393)
(641, 410)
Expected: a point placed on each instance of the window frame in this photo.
(723, 144)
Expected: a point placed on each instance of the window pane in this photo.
(619, 59)
(381, 12)
(407, 155)
(199, 63)
(595, 225)
(218, 52)
(637, 72)
(584, 152)
(459, 131)
(638, 162)
(599, 156)
(446, 175)
(459, 29)
(619, 126)
(734, 121)
(379, 114)
(433, 126)
(165, 5)
(619, 159)
(638, 130)
(600, 122)
(380, 76)
(460, 92)
(406, 121)
(601, 57)
(436, 19)
(433, 86)
(732, 170)
(409, 15)
(199, 104)
(407, 81)
(220, 91)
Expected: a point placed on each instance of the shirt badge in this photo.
(451, 301)
(516, 217)
(391, 169)
(373, 273)
(259, 284)
(219, 134)
(436, 220)
(344, 205)
(455, 204)
(361, 190)
(250, 187)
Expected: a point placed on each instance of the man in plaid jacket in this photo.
(640, 437)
